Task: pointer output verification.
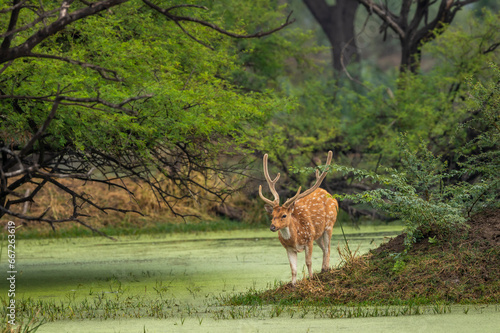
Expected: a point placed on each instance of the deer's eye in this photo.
(283, 216)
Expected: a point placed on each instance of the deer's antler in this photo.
(319, 180)
(272, 186)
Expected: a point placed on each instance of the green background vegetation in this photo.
(187, 109)
(176, 116)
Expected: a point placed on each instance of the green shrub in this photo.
(424, 192)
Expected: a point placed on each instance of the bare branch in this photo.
(415, 31)
(82, 176)
(21, 171)
(101, 70)
(385, 15)
(12, 8)
(97, 231)
(16, 159)
(186, 6)
(42, 129)
(84, 102)
(319, 180)
(320, 9)
(42, 218)
(5, 66)
(14, 16)
(491, 48)
(32, 218)
(31, 24)
(215, 27)
(108, 104)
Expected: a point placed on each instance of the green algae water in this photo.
(480, 322)
(208, 262)
(170, 283)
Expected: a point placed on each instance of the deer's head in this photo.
(282, 215)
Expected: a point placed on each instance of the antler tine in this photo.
(319, 180)
(288, 202)
(272, 186)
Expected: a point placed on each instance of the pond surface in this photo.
(208, 262)
(191, 270)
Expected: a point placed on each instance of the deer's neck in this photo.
(290, 233)
(285, 233)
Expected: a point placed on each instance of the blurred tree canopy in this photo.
(361, 117)
(159, 91)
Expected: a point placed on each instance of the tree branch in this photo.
(81, 176)
(12, 8)
(319, 8)
(491, 48)
(389, 18)
(14, 16)
(80, 101)
(101, 70)
(215, 27)
(42, 129)
(21, 171)
(31, 24)
(25, 48)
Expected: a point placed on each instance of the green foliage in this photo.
(362, 124)
(423, 192)
(277, 61)
(429, 105)
(416, 193)
(484, 124)
(141, 95)
(192, 97)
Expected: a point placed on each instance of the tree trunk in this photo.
(410, 56)
(418, 29)
(337, 23)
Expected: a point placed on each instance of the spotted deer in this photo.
(303, 219)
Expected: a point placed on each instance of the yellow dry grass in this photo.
(143, 200)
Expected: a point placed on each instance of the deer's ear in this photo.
(292, 207)
(269, 209)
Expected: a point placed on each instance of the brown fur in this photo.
(307, 220)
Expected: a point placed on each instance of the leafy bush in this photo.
(416, 193)
(424, 192)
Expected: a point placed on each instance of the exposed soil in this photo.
(485, 228)
(454, 267)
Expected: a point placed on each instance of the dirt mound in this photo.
(461, 266)
(483, 230)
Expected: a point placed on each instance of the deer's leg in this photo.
(309, 248)
(324, 247)
(327, 235)
(292, 258)
(320, 243)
